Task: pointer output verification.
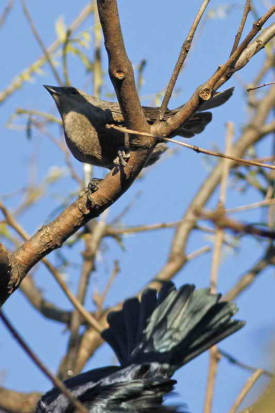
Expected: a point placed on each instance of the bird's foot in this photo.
(94, 184)
(123, 156)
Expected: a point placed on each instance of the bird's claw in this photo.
(122, 157)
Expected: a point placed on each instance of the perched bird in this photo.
(152, 338)
(85, 118)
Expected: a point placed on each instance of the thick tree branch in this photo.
(121, 71)
(89, 205)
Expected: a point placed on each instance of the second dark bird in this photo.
(152, 338)
(85, 118)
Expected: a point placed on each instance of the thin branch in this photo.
(26, 73)
(247, 9)
(58, 277)
(140, 228)
(265, 202)
(181, 59)
(233, 360)
(97, 65)
(196, 148)
(99, 299)
(214, 358)
(56, 382)
(249, 277)
(254, 47)
(41, 44)
(197, 253)
(92, 242)
(245, 390)
(250, 136)
(205, 91)
(219, 237)
(65, 58)
(260, 86)
(31, 112)
(35, 297)
(6, 12)
(222, 221)
(265, 402)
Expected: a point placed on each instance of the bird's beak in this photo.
(54, 90)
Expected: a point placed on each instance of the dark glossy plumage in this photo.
(152, 338)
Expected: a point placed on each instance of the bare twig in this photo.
(99, 299)
(35, 297)
(265, 202)
(247, 9)
(260, 86)
(214, 358)
(247, 387)
(40, 42)
(249, 277)
(31, 112)
(213, 352)
(205, 91)
(181, 59)
(222, 221)
(92, 243)
(233, 360)
(56, 382)
(140, 228)
(85, 314)
(65, 58)
(6, 11)
(196, 148)
(97, 65)
(26, 73)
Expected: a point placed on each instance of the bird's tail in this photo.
(170, 327)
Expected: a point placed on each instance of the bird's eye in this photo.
(73, 92)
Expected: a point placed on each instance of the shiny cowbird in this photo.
(152, 338)
(85, 118)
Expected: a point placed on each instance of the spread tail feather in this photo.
(171, 327)
(135, 396)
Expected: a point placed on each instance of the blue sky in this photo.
(153, 31)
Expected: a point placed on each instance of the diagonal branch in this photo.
(26, 73)
(40, 42)
(247, 9)
(205, 91)
(181, 59)
(248, 278)
(56, 382)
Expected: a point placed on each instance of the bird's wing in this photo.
(135, 396)
(218, 99)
